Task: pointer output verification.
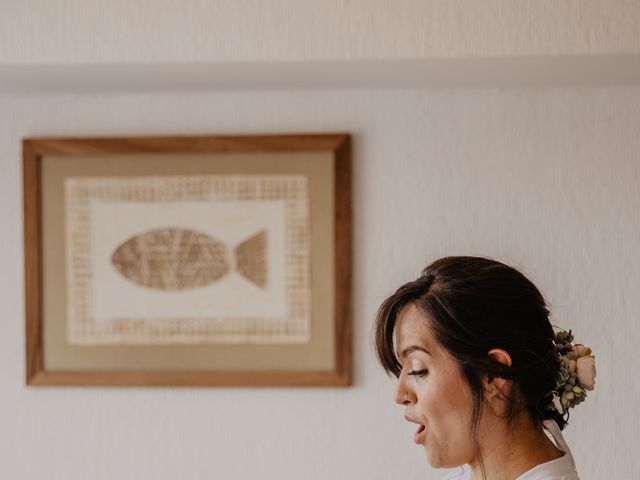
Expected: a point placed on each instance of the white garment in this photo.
(563, 468)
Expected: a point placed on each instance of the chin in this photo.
(439, 462)
(434, 461)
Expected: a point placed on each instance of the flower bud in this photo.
(581, 350)
(586, 371)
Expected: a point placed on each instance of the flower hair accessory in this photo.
(576, 375)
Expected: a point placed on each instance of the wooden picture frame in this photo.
(78, 192)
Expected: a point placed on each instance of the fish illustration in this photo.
(176, 259)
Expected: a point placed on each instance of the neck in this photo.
(510, 450)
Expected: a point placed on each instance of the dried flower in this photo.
(576, 373)
(586, 372)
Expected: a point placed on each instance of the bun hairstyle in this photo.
(475, 304)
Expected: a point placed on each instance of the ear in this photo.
(501, 356)
(496, 385)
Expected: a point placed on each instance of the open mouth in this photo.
(419, 435)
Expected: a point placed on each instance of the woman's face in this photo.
(434, 394)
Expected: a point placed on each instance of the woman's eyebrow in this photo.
(413, 348)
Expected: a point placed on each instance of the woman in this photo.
(481, 371)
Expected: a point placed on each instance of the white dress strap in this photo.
(554, 429)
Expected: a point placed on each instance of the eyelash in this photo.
(418, 373)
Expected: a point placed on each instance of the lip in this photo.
(411, 419)
(419, 436)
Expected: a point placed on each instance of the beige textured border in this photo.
(294, 327)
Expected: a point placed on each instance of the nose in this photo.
(403, 395)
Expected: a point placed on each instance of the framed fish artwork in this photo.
(188, 261)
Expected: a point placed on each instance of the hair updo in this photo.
(475, 304)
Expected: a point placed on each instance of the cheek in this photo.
(447, 405)
(447, 410)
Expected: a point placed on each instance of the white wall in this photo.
(545, 179)
(103, 31)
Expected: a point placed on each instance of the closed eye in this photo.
(418, 373)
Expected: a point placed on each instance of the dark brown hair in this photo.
(475, 304)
